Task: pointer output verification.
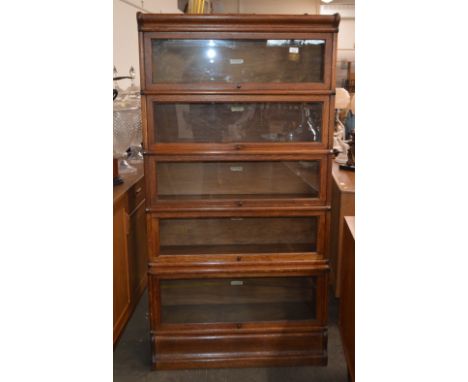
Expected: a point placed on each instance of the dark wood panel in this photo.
(235, 249)
(342, 205)
(236, 260)
(121, 290)
(270, 208)
(137, 249)
(347, 300)
(237, 23)
(136, 195)
(234, 350)
(130, 261)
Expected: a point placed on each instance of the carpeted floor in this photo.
(132, 359)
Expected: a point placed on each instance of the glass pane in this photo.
(237, 122)
(237, 235)
(237, 61)
(238, 300)
(244, 180)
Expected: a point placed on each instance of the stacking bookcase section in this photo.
(241, 238)
(221, 317)
(248, 123)
(236, 181)
(238, 115)
(219, 59)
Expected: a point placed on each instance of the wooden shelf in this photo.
(236, 249)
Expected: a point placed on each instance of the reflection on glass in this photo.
(246, 235)
(237, 61)
(237, 122)
(208, 180)
(238, 300)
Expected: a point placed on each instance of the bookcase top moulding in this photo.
(231, 22)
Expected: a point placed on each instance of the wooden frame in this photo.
(252, 343)
(241, 259)
(192, 345)
(130, 249)
(156, 204)
(236, 88)
(152, 146)
(236, 22)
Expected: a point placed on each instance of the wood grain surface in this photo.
(343, 204)
(347, 300)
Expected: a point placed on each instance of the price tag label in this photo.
(237, 108)
(236, 61)
(237, 282)
(294, 49)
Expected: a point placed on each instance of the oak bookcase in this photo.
(238, 115)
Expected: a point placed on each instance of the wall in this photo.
(126, 34)
(280, 6)
(346, 40)
(267, 6)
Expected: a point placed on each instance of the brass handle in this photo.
(137, 190)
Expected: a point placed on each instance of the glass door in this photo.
(238, 300)
(237, 60)
(237, 123)
(236, 181)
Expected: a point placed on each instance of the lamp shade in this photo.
(342, 98)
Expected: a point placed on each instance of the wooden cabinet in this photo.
(346, 320)
(342, 205)
(237, 113)
(137, 250)
(121, 270)
(130, 248)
